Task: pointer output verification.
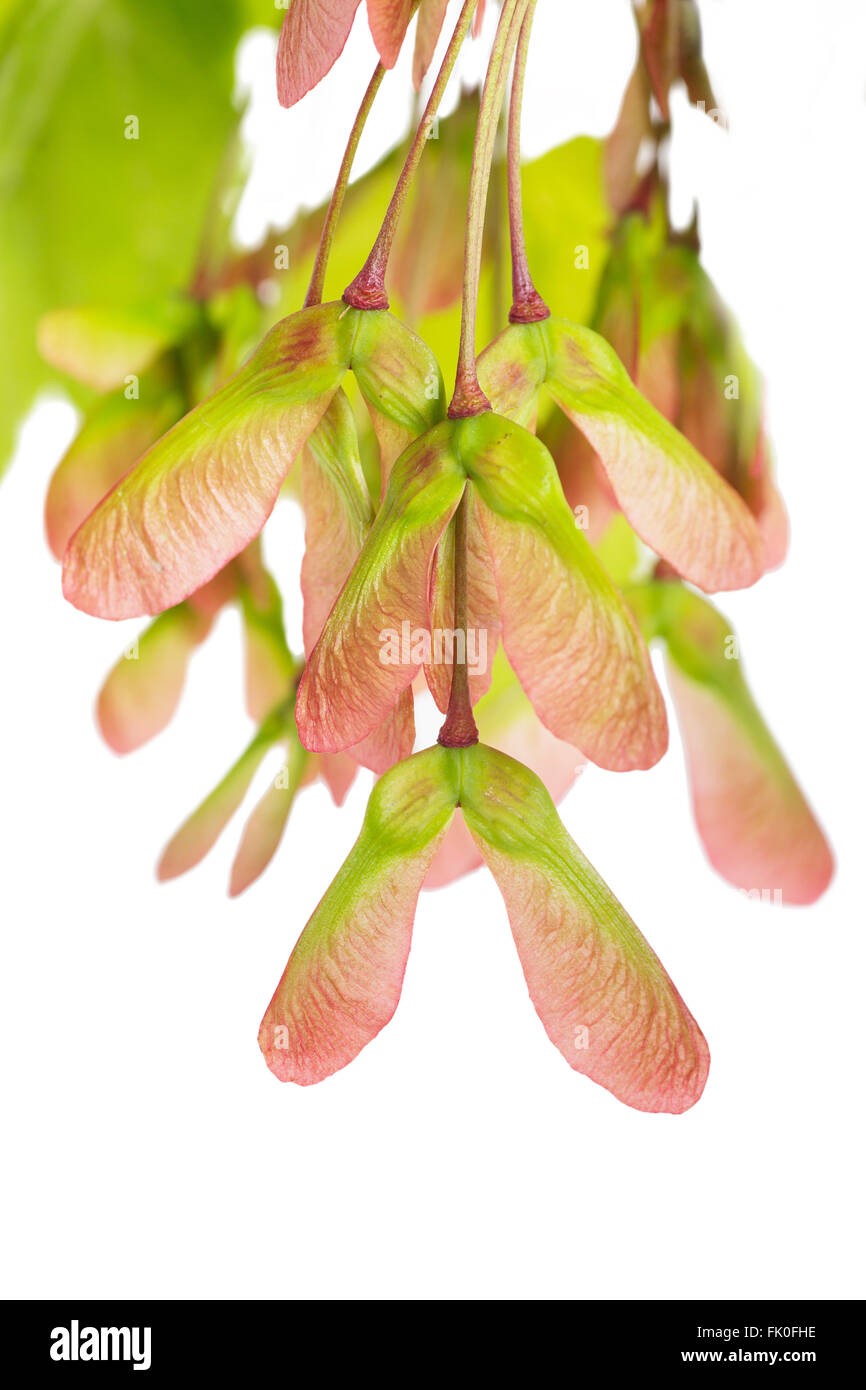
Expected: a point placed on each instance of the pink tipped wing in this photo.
(142, 692)
(571, 640)
(338, 772)
(113, 437)
(206, 489)
(261, 838)
(343, 981)
(270, 668)
(584, 483)
(622, 146)
(265, 828)
(337, 504)
(757, 827)
(578, 655)
(200, 832)
(390, 741)
(603, 996)
(771, 515)
(338, 513)
(431, 16)
(312, 37)
(767, 504)
(389, 20)
(676, 501)
(371, 647)
(268, 664)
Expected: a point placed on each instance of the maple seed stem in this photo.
(468, 398)
(335, 207)
(367, 290)
(528, 305)
(459, 729)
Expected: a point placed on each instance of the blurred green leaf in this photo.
(88, 215)
(568, 223)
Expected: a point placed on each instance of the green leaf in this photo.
(88, 216)
(567, 221)
(102, 345)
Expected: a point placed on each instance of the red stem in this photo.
(335, 207)
(468, 398)
(528, 305)
(367, 290)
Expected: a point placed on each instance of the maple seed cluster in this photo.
(435, 525)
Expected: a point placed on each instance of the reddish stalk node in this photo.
(468, 399)
(528, 305)
(459, 729)
(335, 207)
(367, 290)
(529, 308)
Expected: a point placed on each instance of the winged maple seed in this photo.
(313, 37)
(676, 502)
(206, 489)
(603, 996)
(756, 825)
(566, 630)
(590, 468)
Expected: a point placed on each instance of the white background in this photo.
(149, 1152)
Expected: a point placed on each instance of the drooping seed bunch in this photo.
(563, 510)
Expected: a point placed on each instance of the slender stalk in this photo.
(528, 305)
(496, 200)
(459, 729)
(367, 290)
(468, 398)
(335, 207)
